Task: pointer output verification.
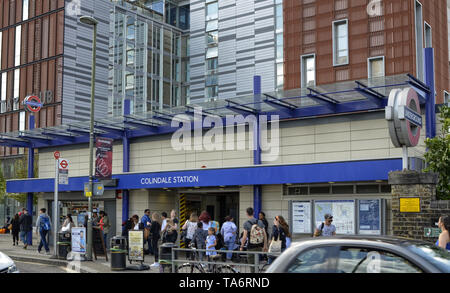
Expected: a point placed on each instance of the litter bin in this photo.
(165, 257)
(118, 253)
(64, 244)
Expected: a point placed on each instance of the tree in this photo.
(438, 155)
(2, 188)
(21, 172)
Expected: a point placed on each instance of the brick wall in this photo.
(423, 186)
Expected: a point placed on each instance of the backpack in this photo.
(220, 242)
(44, 223)
(256, 237)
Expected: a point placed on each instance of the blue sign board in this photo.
(413, 117)
(370, 217)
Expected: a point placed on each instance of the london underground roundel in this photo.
(32, 104)
(404, 118)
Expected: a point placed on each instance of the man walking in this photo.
(43, 227)
(257, 238)
(326, 229)
(26, 223)
(147, 222)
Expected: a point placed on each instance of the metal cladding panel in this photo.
(78, 62)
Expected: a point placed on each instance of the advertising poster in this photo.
(136, 245)
(301, 217)
(369, 217)
(103, 158)
(343, 212)
(79, 240)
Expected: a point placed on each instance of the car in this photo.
(7, 265)
(362, 254)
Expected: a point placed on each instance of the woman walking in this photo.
(189, 227)
(444, 237)
(155, 230)
(15, 229)
(280, 231)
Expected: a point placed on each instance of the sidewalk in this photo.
(30, 254)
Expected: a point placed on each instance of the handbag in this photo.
(10, 227)
(275, 246)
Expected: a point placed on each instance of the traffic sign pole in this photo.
(55, 208)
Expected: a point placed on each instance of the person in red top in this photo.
(104, 224)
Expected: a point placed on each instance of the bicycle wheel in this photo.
(264, 268)
(189, 269)
(227, 270)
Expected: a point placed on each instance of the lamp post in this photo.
(91, 21)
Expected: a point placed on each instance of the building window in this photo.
(428, 36)
(18, 47)
(212, 64)
(22, 121)
(308, 70)
(212, 38)
(280, 75)
(446, 98)
(212, 25)
(3, 93)
(130, 55)
(1, 42)
(212, 52)
(212, 11)
(211, 92)
(340, 42)
(419, 40)
(25, 9)
(279, 15)
(376, 67)
(130, 28)
(16, 89)
(280, 47)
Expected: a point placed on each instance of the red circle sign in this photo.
(64, 164)
(57, 155)
(32, 104)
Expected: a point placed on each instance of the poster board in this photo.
(301, 215)
(369, 215)
(136, 245)
(343, 212)
(79, 240)
(98, 243)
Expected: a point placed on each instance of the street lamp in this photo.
(91, 21)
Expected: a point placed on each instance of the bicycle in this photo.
(193, 267)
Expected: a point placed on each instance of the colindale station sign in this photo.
(30, 103)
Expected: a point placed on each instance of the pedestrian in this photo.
(104, 224)
(199, 239)
(326, 229)
(280, 232)
(173, 217)
(68, 224)
(444, 237)
(257, 238)
(127, 226)
(155, 232)
(15, 229)
(26, 226)
(170, 232)
(262, 218)
(205, 218)
(146, 223)
(211, 242)
(135, 224)
(228, 232)
(215, 225)
(7, 225)
(163, 220)
(189, 228)
(43, 227)
(94, 219)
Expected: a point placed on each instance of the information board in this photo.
(369, 216)
(99, 247)
(79, 240)
(301, 217)
(410, 205)
(136, 245)
(343, 212)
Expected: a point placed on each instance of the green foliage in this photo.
(2, 188)
(438, 155)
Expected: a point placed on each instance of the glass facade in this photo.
(279, 44)
(212, 50)
(149, 63)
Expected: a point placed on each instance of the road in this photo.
(28, 267)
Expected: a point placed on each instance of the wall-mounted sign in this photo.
(410, 205)
(403, 116)
(369, 217)
(32, 104)
(301, 217)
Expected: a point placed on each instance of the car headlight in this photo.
(12, 269)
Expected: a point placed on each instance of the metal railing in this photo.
(193, 262)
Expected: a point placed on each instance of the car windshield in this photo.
(435, 255)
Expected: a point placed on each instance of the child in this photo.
(199, 239)
(211, 242)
